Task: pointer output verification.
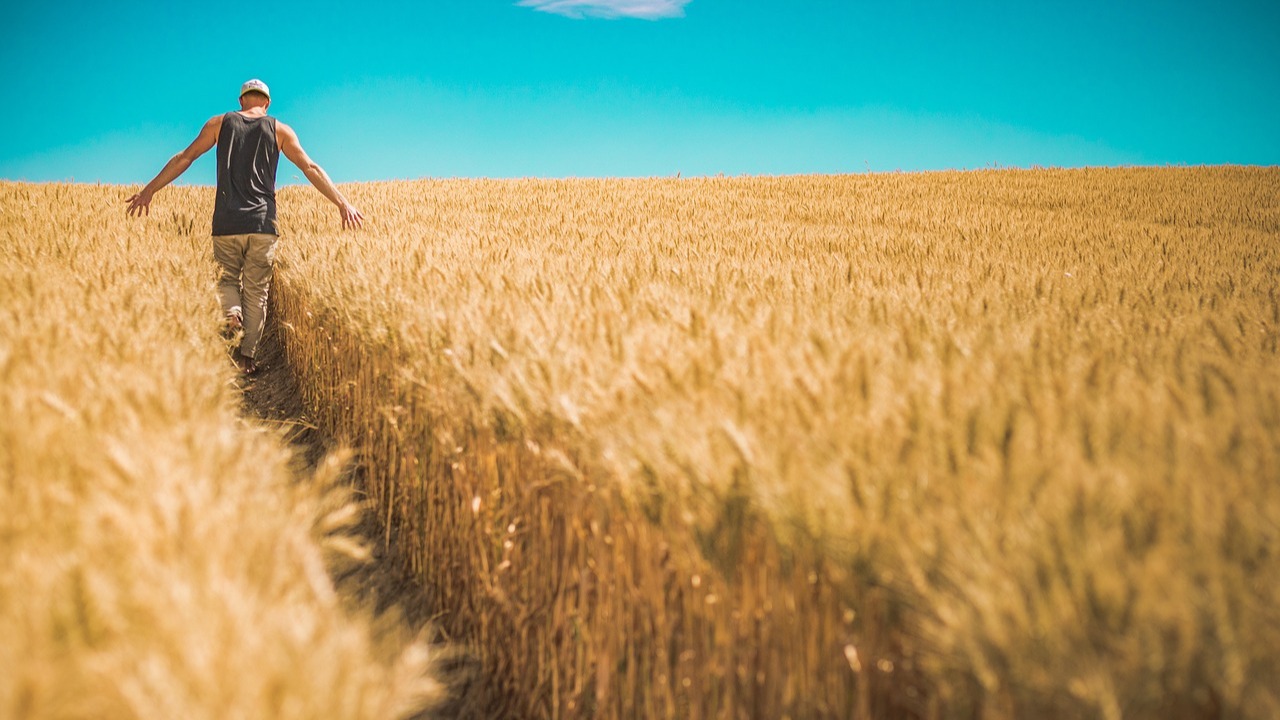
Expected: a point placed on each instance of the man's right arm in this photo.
(292, 149)
(140, 203)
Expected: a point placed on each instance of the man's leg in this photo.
(259, 262)
(229, 251)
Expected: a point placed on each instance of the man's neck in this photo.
(256, 111)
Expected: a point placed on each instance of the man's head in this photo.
(254, 93)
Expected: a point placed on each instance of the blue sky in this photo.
(100, 91)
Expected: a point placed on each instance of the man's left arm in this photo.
(140, 202)
(292, 149)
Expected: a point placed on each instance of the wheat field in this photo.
(994, 444)
(1002, 443)
(157, 559)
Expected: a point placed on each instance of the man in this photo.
(244, 214)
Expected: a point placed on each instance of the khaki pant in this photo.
(247, 262)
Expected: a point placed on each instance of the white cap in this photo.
(255, 85)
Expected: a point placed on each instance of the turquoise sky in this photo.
(100, 91)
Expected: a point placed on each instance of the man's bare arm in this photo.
(292, 149)
(140, 203)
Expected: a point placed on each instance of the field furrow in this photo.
(157, 557)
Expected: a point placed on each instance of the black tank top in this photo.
(247, 157)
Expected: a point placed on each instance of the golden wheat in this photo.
(156, 559)
(998, 442)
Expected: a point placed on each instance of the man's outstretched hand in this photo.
(351, 217)
(139, 204)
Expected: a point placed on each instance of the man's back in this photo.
(248, 154)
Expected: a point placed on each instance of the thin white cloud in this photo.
(578, 9)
